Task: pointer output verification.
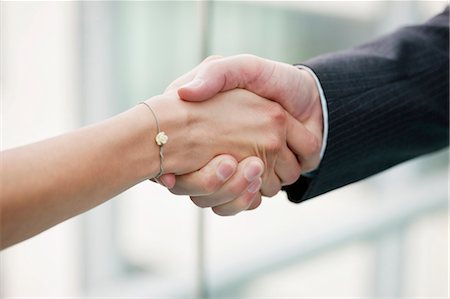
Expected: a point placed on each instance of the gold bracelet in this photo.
(160, 139)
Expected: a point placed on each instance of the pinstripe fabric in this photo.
(388, 102)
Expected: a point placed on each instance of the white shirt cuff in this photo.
(323, 102)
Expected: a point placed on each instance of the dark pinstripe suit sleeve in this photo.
(388, 102)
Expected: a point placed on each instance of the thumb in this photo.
(199, 89)
(214, 76)
(168, 180)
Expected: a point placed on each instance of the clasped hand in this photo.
(250, 142)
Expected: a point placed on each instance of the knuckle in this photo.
(311, 164)
(176, 191)
(245, 201)
(270, 188)
(273, 144)
(277, 115)
(255, 203)
(314, 145)
(240, 204)
(221, 212)
(200, 202)
(211, 58)
(292, 177)
(234, 190)
(209, 185)
(270, 192)
(235, 207)
(248, 57)
(209, 66)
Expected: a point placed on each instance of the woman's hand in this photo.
(236, 122)
(289, 86)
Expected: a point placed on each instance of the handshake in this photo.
(239, 127)
(242, 127)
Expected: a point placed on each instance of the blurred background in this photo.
(68, 64)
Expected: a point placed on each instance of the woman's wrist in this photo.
(169, 116)
(137, 154)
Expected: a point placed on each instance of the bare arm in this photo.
(50, 181)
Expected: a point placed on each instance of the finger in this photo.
(286, 171)
(271, 184)
(224, 74)
(167, 180)
(191, 74)
(240, 204)
(304, 144)
(279, 82)
(208, 179)
(248, 170)
(256, 202)
(287, 166)
(282, 167)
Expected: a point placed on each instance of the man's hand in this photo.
(294, 89)
(224, 185)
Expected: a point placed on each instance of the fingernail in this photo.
(254, 186)
(193, 84)
(252, 171)
(224, 170)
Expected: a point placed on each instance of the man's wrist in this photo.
(324, 108)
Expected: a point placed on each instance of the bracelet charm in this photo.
(160, 139)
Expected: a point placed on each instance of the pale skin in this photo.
(294, 89)
(45, 183)
(50, 181)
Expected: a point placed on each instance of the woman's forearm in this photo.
(47, 182)
(50, 181)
